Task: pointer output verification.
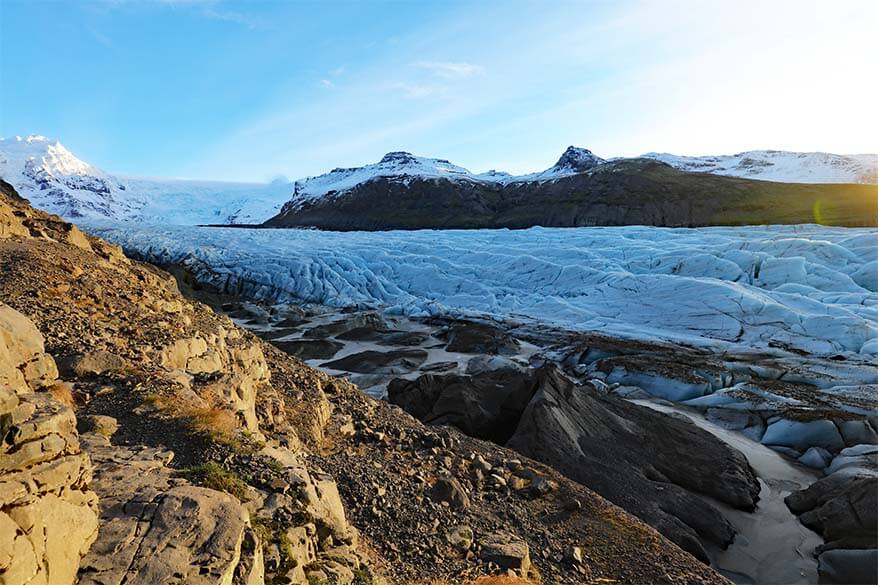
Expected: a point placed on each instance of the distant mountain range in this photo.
(407, 191)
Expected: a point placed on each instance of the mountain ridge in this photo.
(613, 193)
(54, 179)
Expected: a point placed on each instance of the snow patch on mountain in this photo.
(782, 166)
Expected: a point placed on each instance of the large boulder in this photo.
(235, 364)
(93, 362)
(506, 551)
(24, 365)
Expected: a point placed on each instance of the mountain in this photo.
(407, 191)
(574, 160)
(394, 166)
(782, 166)
(616, 192)
(54, 179)
(403, 171)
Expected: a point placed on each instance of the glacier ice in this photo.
(787, 287)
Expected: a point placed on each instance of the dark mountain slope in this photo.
(627, 192)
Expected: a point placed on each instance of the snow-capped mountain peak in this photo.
(393, 165)
(577, 159)
(54, 179)
(573, 161)
(47, 153)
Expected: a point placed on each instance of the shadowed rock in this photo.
(378, 362)
(308, 349)
(479, 338)
(649, 463)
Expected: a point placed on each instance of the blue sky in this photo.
(253, 90)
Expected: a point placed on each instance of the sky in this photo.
(260, 89)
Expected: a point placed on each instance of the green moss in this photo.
(213, 476)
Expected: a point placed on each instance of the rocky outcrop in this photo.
(487, 406)
(48, 513)
(157, 528)
(237, 371)
(597, 440)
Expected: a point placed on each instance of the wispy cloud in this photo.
(449, 70)
(210, 9)
(226, 15)
(326, 83)
(415, 90)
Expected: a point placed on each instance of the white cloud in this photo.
(449, 70)
(326, 83)
(415, 90)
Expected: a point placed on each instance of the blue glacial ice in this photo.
(808, 288)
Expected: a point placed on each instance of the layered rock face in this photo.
(199, 382)
(48, 513)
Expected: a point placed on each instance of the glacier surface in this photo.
(802, 288)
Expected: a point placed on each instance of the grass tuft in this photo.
(213, 476)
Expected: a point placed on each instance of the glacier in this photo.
(804, 288)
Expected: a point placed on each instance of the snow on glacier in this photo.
(809, 288)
